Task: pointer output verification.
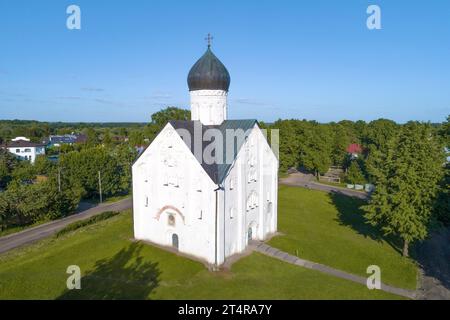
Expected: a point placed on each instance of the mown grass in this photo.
(83, 223)
(330, 229)
(115, 267)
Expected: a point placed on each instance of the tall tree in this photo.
(288, 143)
(355, 174)
(341, 140)
(161, 118)
(403, 199)
(316, 148)
(442, 210)
(92, 137)
(377, 136)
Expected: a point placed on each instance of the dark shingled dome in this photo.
(208, 73)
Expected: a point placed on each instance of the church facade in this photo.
(207, 186)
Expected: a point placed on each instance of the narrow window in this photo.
(269, 207)
(146, 201)
(201, 215)
(232, 213)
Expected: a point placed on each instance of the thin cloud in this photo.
(92, 89)
(252, 102)
(68, 98)
(159, 95)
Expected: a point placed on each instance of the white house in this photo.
(207, 186)
(24, 149)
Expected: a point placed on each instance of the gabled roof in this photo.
(22, 144)
(217, 171)
(354, 148)
(68, 138)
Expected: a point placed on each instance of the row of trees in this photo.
(48, 190)
(316, 146)
(406, 163)
(408, 178)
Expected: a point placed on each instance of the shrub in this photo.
(83, 223)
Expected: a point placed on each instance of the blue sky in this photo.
(287, 59)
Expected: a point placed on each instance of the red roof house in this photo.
(354, 148)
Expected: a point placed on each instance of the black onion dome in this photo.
(208, 73)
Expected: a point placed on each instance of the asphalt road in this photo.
(44, 230)
(302, 180)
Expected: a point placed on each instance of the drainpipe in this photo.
(219, 187)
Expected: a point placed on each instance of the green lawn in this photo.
(330, 229)
(114, 267)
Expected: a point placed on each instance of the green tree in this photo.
(316, 147)
(355, 174)
(92, 137)
(125, 156)
(107, 140)
(161, 118)
(442, 209)
(403, 199)
(341, 140)
(8, 163)
(289, 151)
(22, 203)
(376, 138)
(136, 138)
(82, 168)
(24, 172)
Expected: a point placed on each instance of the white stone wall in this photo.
(168, 180)
(27, 153)
(250, 200)
(209, 106)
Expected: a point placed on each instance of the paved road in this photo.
(302, 180)
(44, 230)
(286, 257)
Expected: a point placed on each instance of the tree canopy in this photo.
(403, 200)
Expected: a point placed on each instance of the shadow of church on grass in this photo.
(350, 214)
(433, 256)
(126, 275)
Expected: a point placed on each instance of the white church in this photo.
(208, 186)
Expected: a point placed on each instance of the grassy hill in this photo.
(318, 227)
(114, 267)
(330, 229)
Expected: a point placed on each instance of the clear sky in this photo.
(287, 59)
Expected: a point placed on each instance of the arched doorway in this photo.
(175, 241)
(250, 234)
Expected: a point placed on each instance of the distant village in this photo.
(24, 149)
